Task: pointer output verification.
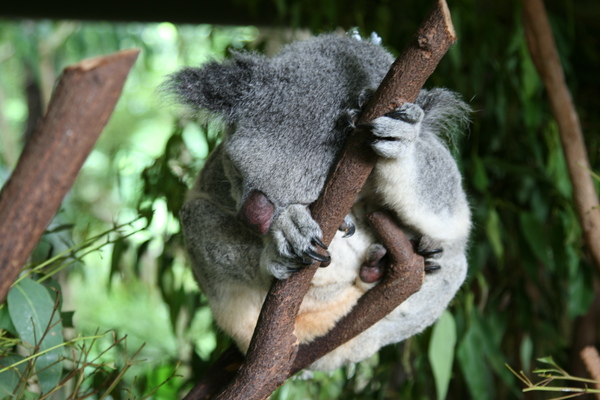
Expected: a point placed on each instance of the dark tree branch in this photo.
(81, 104)
(403, 277)
(545, 57)
(272, 351)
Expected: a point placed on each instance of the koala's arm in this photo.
(417, 176)
(224, 253)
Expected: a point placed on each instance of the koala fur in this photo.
(247, 221)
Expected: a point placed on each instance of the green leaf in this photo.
(480, 179)
(441, 352)
(470, 355)
(67, 318)
(31, 309)
(580, 295)
(493, 229)
(5, 321)
(535, 236)
(525, 352)
(10, 379)
(119, 249)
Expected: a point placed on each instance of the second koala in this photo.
(246, 221)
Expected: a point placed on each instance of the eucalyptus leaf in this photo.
(472, 363)
(9, 379)
(5, 321)
(32, 311)
(493, 229)
(441, 352)
(535, 236)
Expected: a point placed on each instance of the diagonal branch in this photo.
(264, 370)
(403, 277)
(80, 107)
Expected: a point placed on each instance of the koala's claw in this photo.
(428, 249)
(364, 97)
(396, 131)
(431, 267)
(408, 113)
(318, 257)
(319, 243)
(365, 127)
(305, 260)
(429, 253)
(347, 227)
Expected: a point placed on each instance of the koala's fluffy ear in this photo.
(216, 86)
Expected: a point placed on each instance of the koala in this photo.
(286, 118)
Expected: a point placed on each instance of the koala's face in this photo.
(270, 169)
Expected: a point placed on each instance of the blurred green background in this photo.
(116, 252)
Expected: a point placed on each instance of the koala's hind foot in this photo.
(296, 237)
(374, 266)
(429, 250)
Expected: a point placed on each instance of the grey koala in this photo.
(246, 221)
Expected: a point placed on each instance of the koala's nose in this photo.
(257, 212)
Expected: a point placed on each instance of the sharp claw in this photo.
(396, 114)
(432, 252)
(430, 267)
(365, 127)
(320, 243)
(364, 97)
(350, 229)
(305, 260)
(316, 256)
(347, 227)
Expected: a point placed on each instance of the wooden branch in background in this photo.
(80, 107)
(591, 359)
(545, 57)
(273, 347)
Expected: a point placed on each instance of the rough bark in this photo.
(403, 277)
(80, 107)
(271, 354)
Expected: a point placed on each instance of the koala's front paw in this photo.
(396, 130)
(295, 238)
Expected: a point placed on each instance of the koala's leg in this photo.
(417, 177)
(414, 315)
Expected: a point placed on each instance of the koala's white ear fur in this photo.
(215, 86)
